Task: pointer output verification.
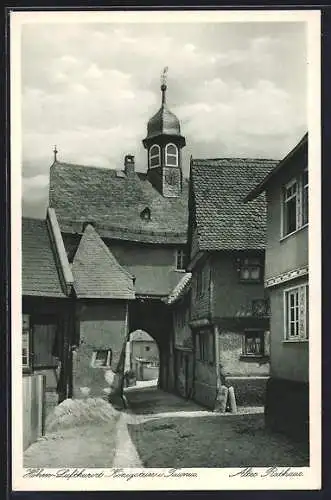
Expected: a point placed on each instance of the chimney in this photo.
(129, 165)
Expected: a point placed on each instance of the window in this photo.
(181, 260)
(296, 312)
(250, 269)
(290, 208)
(202, 280)
(155, 156)
(145, 214)
(205, 347)
(305, 197)
(181, 318)
(253, 343)
(147, 348)
(26, 342)
(171, 155)
(295, 204)
(101, 358)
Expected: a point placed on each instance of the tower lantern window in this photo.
(155, 156)
(171, 155)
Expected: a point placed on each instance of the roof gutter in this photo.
(263, 184)
(61, 254)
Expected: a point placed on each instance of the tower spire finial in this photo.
(164, 83)
(55, 151)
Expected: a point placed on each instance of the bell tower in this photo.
(163, 144)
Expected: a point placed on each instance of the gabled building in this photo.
(229, 314)
(48, 309)
(75, 316)
(103, 291)
(143, 347)
(141, 217)
(286, 281)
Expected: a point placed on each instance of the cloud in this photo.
(91, 88)
(34, 187)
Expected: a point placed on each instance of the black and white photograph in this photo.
(165, 212)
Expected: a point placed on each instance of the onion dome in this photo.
(164, 122)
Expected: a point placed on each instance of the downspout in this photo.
(215, 327)
(123, 398)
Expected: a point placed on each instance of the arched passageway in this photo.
(153, 316)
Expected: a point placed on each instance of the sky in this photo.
(238, 89)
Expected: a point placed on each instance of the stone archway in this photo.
(153, 316)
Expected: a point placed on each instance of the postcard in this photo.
(166, 262)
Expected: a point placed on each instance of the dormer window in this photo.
(145, 214)
(155, 156)
(171, 154)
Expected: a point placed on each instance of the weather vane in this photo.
(164, 76)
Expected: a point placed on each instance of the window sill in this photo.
(254, 357)
(293, 232)
(294, 341)
(180, 270)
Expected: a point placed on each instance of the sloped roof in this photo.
(164, 122)
(219, 186)
(114, 204)
(180, 289)
(97, 274)
(141, 336)
(40, 272)
(301, 147)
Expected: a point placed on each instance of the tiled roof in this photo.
(40, 273)
(180, 289)
(114, 204)
(300, 149)
(140, 336)
(219, 186)
(97, 274)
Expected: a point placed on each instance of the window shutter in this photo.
(302, 312)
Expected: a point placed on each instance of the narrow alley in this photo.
(158, 429)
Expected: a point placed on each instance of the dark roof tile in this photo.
(83, 193)
(97, 273)
(40, 273)
(224, 222)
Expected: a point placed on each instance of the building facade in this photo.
(125, 223)
(181, 354)
(183, 260)
(144, 356)
(286, 280)
(229, 308)
(48, 305)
